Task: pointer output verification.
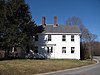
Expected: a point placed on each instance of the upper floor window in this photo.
(36, 38)
(63, 37)
(49, 37)
(72, 49)
(72, 37)
(63, 49)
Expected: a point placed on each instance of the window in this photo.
(63, 49)
(49, 37)
(50, 49)
(36, 49)
(72, 49)
(63, 37)
(36, 38)
(72, 37)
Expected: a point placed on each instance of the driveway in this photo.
(89, 70)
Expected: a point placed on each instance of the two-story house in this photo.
(58, 41)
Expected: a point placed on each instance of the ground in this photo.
(29, 67)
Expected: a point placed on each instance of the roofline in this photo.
(59, 33)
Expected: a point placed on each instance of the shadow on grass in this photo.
(17, 58)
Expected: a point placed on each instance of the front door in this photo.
(50, 52)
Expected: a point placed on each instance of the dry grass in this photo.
(30, 67)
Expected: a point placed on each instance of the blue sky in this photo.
(87, 10)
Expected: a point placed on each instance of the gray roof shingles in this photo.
(61, 29)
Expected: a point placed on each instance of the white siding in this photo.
(57, 49)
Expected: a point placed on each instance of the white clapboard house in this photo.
(58, 41)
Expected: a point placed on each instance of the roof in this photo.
(61, 29)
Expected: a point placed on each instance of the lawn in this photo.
(30, 67)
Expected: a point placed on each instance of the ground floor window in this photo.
(63, 49)
(72, 49)
(36, 49)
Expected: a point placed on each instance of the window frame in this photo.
(49, 37)
(63, 37)
(63, 49)
(72, 38)
(49, 49)
(72, 50)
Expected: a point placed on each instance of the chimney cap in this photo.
(55, 16)
(43, 16)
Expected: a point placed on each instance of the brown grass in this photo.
(30, 67)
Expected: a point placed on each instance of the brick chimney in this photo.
(43, 21)
(55, 21)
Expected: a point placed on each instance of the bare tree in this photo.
(87, 38)
(96, 50)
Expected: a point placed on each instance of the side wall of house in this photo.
(57, 44)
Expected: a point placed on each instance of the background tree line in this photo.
(16, 26)
(96, 50)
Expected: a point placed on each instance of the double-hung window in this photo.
(72, 49)
(63, 37)
(49, 37)
(72, 38)
(63, 49)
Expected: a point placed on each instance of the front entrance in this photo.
(50, 50)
